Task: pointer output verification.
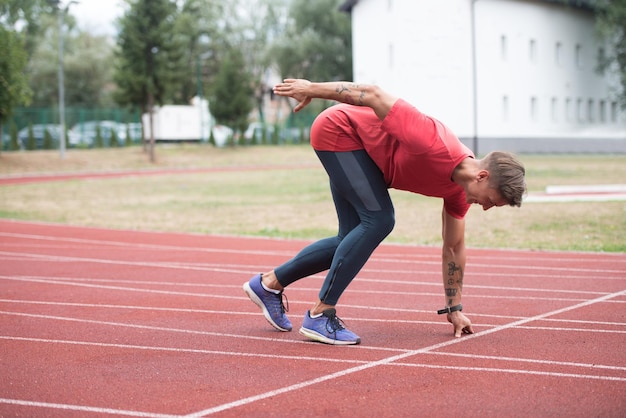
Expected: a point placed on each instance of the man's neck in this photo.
(465, 171)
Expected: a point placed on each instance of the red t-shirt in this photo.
(415, 152)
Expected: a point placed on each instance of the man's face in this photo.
(480, 193)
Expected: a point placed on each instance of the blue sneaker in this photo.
(328, 329)
(270, 303)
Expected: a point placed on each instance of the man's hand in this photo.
(462, 324)
(295, 88)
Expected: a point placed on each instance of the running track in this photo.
(97, 322)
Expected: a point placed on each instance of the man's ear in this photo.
(482, 175)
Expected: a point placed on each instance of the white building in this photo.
(514, 75)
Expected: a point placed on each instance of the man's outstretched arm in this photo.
(453, 268)
(341, 91)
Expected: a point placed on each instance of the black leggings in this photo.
(366, 216)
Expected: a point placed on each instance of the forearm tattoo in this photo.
(455, 276)
(345, 91)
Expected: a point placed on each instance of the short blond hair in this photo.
(507, 175)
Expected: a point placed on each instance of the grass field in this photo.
(283, 192)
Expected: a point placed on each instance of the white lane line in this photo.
(596, 324)
(600, 331)
(256, 313)
(326, 359)
(90, 409)
(359, 280)
(523, 360)
(70, 282)
(367, 365)
(162, 247)
(180, 350)
(123, 288)
(515, 371)
(186, 331)
(346, 361)
(413, 257)
(392, 359)
(564, 272)
(150, 327)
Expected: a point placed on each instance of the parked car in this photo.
(254, 133)
(39, 133)
(85, 133)
(134, 130)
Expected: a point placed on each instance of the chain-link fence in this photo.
(38, 128)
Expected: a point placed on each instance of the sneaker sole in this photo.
(258, 302)
(316, 336)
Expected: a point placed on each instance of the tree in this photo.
(87, 63)
(13, 82)
(149, 57)
(317, 43)
(232, 95)
(198, 25)
(611, 24)
(254, 29)
(25, 17)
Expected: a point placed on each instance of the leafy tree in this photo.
(98, 141)
(14, 143)
(232, 95)
(48, 141)
(25, 17)
(611, 24)
(129, 140)
(254, 29)
(317, 43)
(87, 64)
(149, 57)
(31, 142)
(198, 26)
(113, 139)
(13, 83)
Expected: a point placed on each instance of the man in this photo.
(372, 142)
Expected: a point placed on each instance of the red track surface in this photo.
(100, 322)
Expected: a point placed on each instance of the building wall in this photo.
(535, 87)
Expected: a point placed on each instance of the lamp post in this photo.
(200, 95)
(61, 12)
(474, 78)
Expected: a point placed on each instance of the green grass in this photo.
(283, 192)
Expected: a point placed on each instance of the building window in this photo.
(390, 55)
(568, 109)
(602, 106)
(580, 112)
(503, 47)
(554, 106)
(579, 56)
(613, 112)
(590, 110)
(532, 50)
(558, 54)
(533, 108)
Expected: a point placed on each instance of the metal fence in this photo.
(38, 128)
(23, 117)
